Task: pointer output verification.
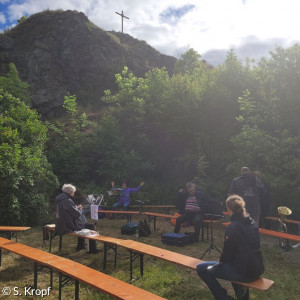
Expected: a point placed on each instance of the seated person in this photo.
(124, 193)
(241, 259)
(69, 217)
(191, 205)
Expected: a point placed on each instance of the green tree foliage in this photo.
(26, 178)
(66, 143)
(188, 62)
(14, 85)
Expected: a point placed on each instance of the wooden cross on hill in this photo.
(122, 16)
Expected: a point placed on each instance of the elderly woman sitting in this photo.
(69, 217)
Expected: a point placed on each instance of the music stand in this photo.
(212, 246)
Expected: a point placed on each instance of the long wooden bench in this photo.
(277, 234)
(13, 229)
(138, 250)
(80, 273)
(290, 221)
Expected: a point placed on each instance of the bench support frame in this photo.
(108, 247)
(134, 256)
(63, 281)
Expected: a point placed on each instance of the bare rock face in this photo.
(58, 52)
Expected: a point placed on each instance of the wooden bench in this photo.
(69, 269)
(163, 206)
(285, 220)
(128, 213)
(273, 233)
(13, 229)
(138, 250)
(153, 216)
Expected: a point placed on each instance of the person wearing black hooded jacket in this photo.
(248, 187)
(241, 259)
(69, 217)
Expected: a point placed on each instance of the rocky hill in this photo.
(62, 51)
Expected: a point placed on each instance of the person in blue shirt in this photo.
(124, 193)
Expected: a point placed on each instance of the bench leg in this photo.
(35, 275)
(106, 248)
(133, 257)
(154, 223)
(60, 242)
(0, 257)
(50, 241)
(64, 281)
(76, 290)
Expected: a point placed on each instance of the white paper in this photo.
(94, 212)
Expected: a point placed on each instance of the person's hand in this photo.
(80, 206)
(112, 183)
(181, 190)
(142, 183)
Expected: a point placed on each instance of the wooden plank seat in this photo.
(153, 216)
(128, 213)
(159, 206)
(13, 229)
(273, 233)
(290, 221)
(78, 272)
(141, 249)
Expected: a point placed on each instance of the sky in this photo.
(212, 27)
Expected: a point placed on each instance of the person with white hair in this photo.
(69, 217)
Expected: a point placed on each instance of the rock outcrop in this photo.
(58, 52)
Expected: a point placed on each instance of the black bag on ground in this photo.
(129, 228)
(175, 239)
(144, 229)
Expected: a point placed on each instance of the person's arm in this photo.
(72, 209)
(232, 189)
(230, 245)
(130, 190)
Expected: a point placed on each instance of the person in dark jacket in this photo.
(247, 187)
(69, 217)
(191, 206)
(241, 259)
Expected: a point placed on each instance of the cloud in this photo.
(2, 19)
(209, 26)
(172, 15)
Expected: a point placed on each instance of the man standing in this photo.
(69, 217)
(191, 205)
(246, 186)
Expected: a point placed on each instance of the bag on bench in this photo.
(175, 239)
(129, 228)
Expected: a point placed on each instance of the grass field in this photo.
(162, 278)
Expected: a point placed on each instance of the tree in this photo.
(188, 61)
(26, 179)
(14, 85)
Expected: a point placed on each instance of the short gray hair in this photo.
(68, 188)
(190, 185)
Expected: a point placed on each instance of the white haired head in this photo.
(69, 189)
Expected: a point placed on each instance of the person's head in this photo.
(236, 205)
(69, 189)
(245, 170)
(191, 188)
(124, 184)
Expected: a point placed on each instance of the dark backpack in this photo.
(129, 228)
(144, 228)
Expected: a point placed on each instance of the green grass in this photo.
(165, 279)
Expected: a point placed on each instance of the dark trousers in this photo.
(211, 270)
(92, 243)
(196, 217)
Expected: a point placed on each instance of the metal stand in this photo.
(212, 245)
